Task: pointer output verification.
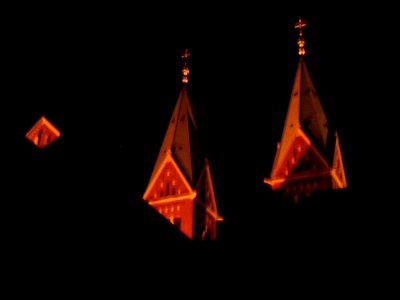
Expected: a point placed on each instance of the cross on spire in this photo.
(185, 69)
(300, 41)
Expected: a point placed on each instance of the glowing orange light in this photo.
(300, 41)
(185, 69)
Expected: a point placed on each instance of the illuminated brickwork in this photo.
(168, 184)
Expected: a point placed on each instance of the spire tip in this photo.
(300, 41)
(185, 69)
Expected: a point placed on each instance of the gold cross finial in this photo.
(185, 69)
(300, 41)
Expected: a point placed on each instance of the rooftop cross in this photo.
(300, 41)
(185, 69)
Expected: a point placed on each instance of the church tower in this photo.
(304, 161)
(180, 186)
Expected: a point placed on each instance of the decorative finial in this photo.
(300, 41)
(185, 69)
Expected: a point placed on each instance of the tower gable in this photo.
(338, 173)
(205, 208)
(205, 191)
(302, 160)
(167, 182)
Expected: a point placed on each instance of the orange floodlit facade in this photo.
(303, 163)
(43, 133)
(181, 187)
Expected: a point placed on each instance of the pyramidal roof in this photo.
(43, 133)
(181, 139)
(304, 112)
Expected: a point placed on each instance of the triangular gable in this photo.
(338, 173)
(178, 137)
(205, 192)
(301, 160)
(168, 181)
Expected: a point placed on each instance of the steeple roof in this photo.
(181, 139)
(305, 112)
(180, 186)
(302, 161)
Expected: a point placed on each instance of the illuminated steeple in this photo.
(180, 186)
(302, 161)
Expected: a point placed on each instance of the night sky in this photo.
(110, 82)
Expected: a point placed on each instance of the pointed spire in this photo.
(300, 41)
(185, 69)
(301, 163)
(180, 187)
